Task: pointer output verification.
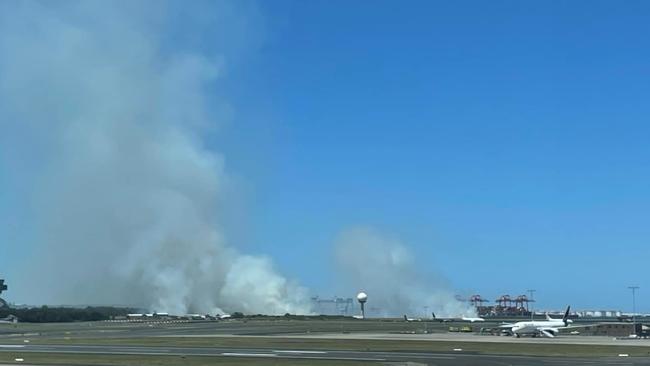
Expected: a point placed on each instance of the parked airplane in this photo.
(461, 319)
(11, 319)
(411, 319)
(549, 327)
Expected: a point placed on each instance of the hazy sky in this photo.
(504, 142)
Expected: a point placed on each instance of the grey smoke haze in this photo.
(395, 282)
(104, 128)
(103, 123)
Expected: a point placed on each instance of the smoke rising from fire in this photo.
(106, 110)
(106, 124)
(395, 282)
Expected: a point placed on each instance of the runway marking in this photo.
(249, 354)
(428, 357)
(299, 352)
(343, 358)
(11, 346)
(138, 349)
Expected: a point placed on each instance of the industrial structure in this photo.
(506, 305)
(333, 306)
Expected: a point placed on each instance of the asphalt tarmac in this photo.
(440, 359)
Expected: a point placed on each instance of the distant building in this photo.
(613, 329)
(599, 313)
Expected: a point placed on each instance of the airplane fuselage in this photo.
(534, 326)
(549, 327)
(460, 319)
(472, 320)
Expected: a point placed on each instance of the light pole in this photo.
(633, 288)
(532, 307)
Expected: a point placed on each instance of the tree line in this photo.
(46, 314)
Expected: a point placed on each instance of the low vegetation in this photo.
(46, 314)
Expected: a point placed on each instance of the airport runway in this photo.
(44, 337)
(441, 359)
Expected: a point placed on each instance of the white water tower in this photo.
(362, 298)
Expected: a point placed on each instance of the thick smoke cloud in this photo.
(385, 269)
(102, 123)
(105, 108)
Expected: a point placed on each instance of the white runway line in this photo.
(249, 354)
(299, 352)
(11, 346)
(342, 358)
(139, 349)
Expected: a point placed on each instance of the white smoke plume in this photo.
(385, 269)
(102, 127)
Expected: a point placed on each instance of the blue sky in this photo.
(504, 142)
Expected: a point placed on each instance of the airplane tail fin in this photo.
(433, 315)
(405, 318)
(565, 319)
(548, 317)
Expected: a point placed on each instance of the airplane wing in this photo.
(551, 332)
(506, 325)
(547, 332)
